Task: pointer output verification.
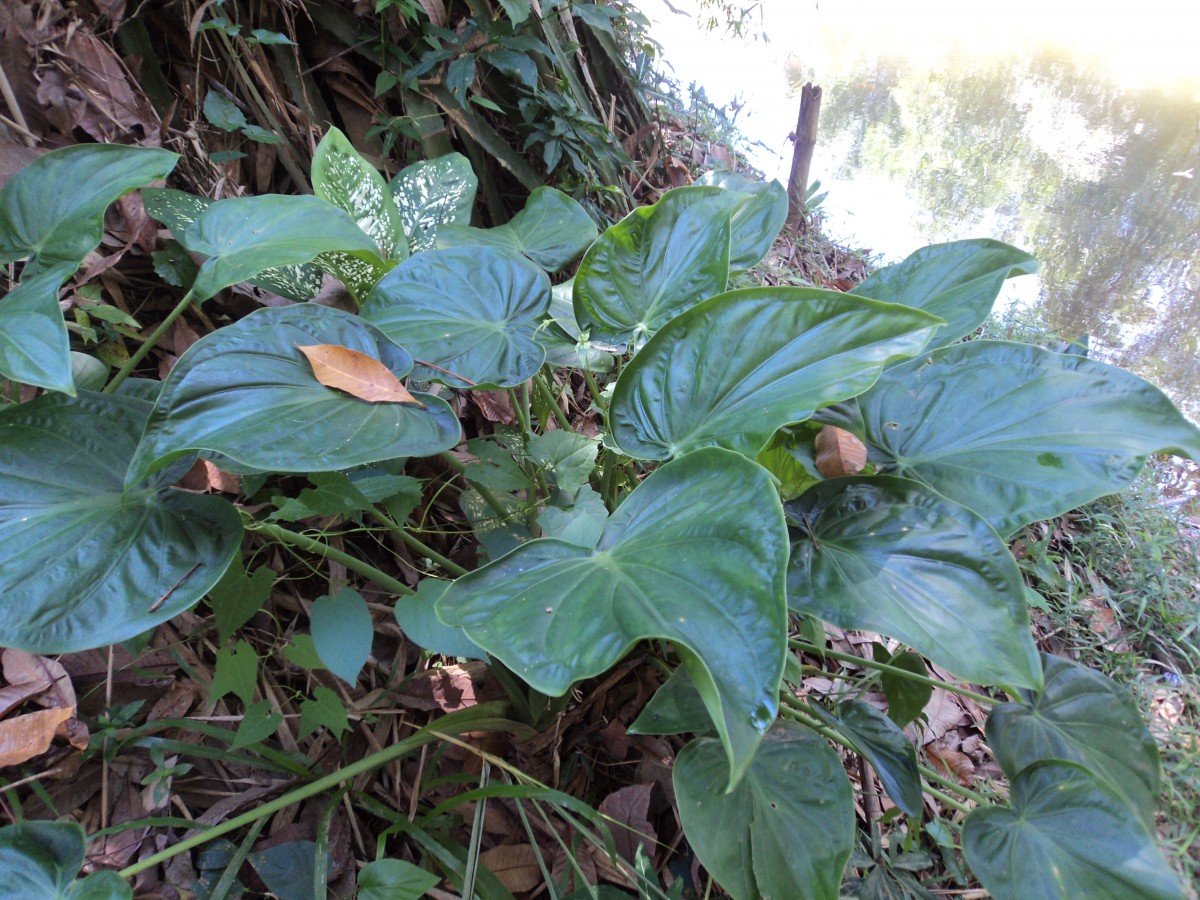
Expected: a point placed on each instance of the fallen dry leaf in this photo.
(839, 452)
(629, 808)
(356, 374)
(514, 865)
(24, 737)
(952, 763)
(33, 677)
(446, 688)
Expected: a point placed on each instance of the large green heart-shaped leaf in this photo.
(1085, 718)
(551, 230)
(52, 211)
(785, 831)
(1015, 432)
(884, 745)
(958, 281)
(653, 264)
(471, 311)
(732, 370)
(889, 555)
(1065, 837)
(87, 561)
(34, 347)
(432, 193)
(672, 563)
(341, 176)
(243, 236)
(756, 220)
(179, 209)
(39, 861)
(247, 392)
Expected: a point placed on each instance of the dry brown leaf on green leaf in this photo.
(839, 452)
(356, 374)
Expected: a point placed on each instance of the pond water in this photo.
(1076, 139)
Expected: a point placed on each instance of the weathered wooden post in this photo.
(805, 139)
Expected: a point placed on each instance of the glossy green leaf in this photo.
(342, 177)
(733, 369)
(655, 263)
(472, 311)
(885, 747)
(906, 698)
(1085, 718)
(1015, 432)
(958, 282)
(394, 879)
(243, 236)
(88, 373)
(675, 708)
(432, 193)
(1065, 837)
(247, 392)
(786, 830)
(34, 348)
(342, 632)
(889, 555)
(179, 209)
(552, 230)
(39, 861)
(52, 211)
(579, 520)
(670, 564)
(569, 457)
(756, 220)
(418, 620)
(87, 561)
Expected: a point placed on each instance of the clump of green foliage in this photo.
(702, 521)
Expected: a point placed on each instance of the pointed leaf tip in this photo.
(356, 374)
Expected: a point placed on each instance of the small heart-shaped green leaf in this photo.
(735, 368)
(471, 312)
(669, 564)
(785, 830)
(889, 555)
(1085, 718)
(1065, 837)
(1015, 432)
(52, 211)
(89, 561)
(432, 193)
(958, 282)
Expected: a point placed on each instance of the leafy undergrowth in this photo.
(267, 695)
(1120, 582)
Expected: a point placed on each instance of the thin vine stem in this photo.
(488, 497)
(594, 390)
(952, 785)
(893, 670)
(416, 543)
(320, 548)
(147, 345)
(312, 789)
(542, 388)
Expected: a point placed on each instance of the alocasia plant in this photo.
(966, 441)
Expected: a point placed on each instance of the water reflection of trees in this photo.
(1046, 155)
